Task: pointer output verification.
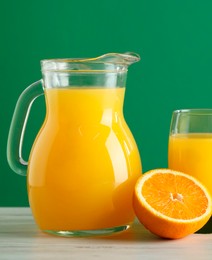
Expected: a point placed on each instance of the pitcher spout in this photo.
(126, 58)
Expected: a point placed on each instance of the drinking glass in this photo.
(190, 144)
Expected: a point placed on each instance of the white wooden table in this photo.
(20, 239)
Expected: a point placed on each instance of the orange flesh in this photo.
(167, 194)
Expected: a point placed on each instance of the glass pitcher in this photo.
(84, 161)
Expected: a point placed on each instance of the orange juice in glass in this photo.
(84, 162)
(190, 144)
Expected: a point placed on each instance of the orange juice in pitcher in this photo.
(84, 162)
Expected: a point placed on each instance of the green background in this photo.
(174, 39)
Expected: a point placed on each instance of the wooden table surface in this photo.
(21, 239)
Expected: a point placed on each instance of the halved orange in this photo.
(171, 204)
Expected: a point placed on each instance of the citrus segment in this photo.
(171, 204)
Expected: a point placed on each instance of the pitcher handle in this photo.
(18, 126)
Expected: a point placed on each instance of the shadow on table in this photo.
(207, 229)
(136, 233)
(139, 233)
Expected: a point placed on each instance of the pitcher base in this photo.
(87, 233)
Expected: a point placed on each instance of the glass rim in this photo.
(194, 111)
(112, 62)
(114, 58)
